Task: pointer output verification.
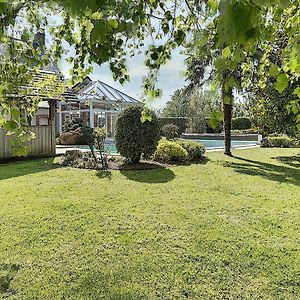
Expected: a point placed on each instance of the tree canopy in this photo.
(223, 34)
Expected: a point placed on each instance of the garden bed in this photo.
(84, 160)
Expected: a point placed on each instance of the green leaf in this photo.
(213, 5)
(281, 83)
(226, 52)
(146, 116)
(15, 113)
(179, 37)
(113, 23)
(294, 109)
(274, 70)
(20, 151)
(216, 118)
(10, 125)
(297, 92)
(2, 121)
(284, 3)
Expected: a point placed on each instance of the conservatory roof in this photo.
(98, 90)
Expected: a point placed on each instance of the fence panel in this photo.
(42, 145)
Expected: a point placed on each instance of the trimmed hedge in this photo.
(178, 151)
(134, 137)
(169, 151)
(245, 131)
(182, 123)
(282, 141)
(241, 123)
(194, 149)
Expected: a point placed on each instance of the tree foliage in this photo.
(197, 106)
(222, 34)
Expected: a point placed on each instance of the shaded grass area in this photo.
(227, 229)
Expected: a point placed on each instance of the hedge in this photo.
(135, 137)
(182, 123)
(281, 141)
(241, 123)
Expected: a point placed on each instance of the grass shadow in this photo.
(104, 174)
(293, 161)
(281, 174)
(158, 175)
(26, 167)
(203, 161)
(7, 274)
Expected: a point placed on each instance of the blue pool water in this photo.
(209, 144)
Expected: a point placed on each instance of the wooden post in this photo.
(92, 125)
(52, 107)
(59, 118)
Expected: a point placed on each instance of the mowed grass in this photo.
(228, 228)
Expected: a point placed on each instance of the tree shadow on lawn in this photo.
(269, 171)
(7, 274)
(26, 167)
(154, 172)
(293, 161)
(154, 175)
(104, 174)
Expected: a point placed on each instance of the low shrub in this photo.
(244, 131)
(170, 131)
(241, 123)
(281, 141)
(195, 150)
(168, 151)
(78, 159)
(95, 138)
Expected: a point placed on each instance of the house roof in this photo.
(41, 75)
(89, 90)
(82, 91)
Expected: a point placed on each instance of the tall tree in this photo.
(197, 106)
(178, 106)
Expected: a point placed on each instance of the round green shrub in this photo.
(195, 150)
(170, 131)
(168, 151)
(137, 133)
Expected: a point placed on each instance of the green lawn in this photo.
(225, 229)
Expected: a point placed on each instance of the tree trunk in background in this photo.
(227, 127)
(227, 98)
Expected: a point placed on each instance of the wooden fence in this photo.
(42, 145)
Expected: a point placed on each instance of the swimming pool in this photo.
(219, 144)
(110, 146)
